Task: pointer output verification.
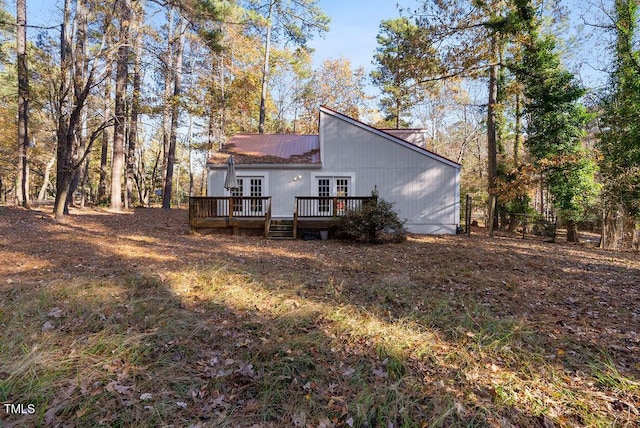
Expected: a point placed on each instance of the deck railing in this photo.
(229, 207)
(328, 206)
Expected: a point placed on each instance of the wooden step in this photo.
(281, 229)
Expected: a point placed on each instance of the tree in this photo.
(556, 121)
(196, 15)
(23, 102)
(104, 146)
(404, 58)
(620, 132)
(335, 84)
(288, 80)
(471, 35)
(72, 94)
(137, 13)
(175, 116)
(294, 20)
(119, 129)
(8, 129)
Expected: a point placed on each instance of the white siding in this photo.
(424, 188)
(283, 185)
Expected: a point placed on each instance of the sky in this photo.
(353, 29)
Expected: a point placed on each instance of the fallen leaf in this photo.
(114, 386)
(55, 313)
(380, 372)
(48, 326)
(246, 370)
(348, 372)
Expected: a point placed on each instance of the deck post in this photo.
(295, 218)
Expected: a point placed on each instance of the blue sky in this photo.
(353, 29)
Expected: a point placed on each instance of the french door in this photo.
(248, 186)
(329, 187)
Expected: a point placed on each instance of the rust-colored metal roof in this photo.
(270, 149)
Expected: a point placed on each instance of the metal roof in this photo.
(270, 149)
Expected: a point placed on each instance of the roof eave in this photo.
(241, 166)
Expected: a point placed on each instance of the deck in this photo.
(251, 215)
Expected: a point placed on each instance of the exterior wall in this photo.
(283, 185)
(426, 190)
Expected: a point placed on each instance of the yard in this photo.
(132, 320)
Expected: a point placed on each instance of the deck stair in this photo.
(281, 229)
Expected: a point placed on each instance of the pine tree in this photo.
(556, 121)
(620, 136)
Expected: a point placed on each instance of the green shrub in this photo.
(375, 222)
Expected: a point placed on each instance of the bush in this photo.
(374, 222)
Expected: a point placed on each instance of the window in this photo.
(342, 190)
(329, 187)
(342, 187)
(248, 186)
(239, 191)
(256, 190)
(324, 190)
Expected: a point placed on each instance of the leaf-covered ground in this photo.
(131, 320)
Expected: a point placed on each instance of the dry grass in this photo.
(130, 320)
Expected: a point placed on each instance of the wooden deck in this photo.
(251, 215)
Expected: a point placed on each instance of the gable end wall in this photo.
(425, 189)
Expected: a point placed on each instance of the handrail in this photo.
(295, 219)
(228, 207)
(328, 206)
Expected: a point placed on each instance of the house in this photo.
(309, 179)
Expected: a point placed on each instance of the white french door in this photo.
(332, 186)
(248, 186)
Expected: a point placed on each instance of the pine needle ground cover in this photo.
(130, 320)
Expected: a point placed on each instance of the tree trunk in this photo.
(265, 72)
(122, 70)
(23, 104)
(80, 73)
(189, 145)
(613, 227)
(104, 152)
(518, 126)
(46, 180)
(175, 117)
(492, 151)
(572, 231)
(65, 144)
(135, 111)
(168, 82)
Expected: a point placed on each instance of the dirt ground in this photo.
(578, 299)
